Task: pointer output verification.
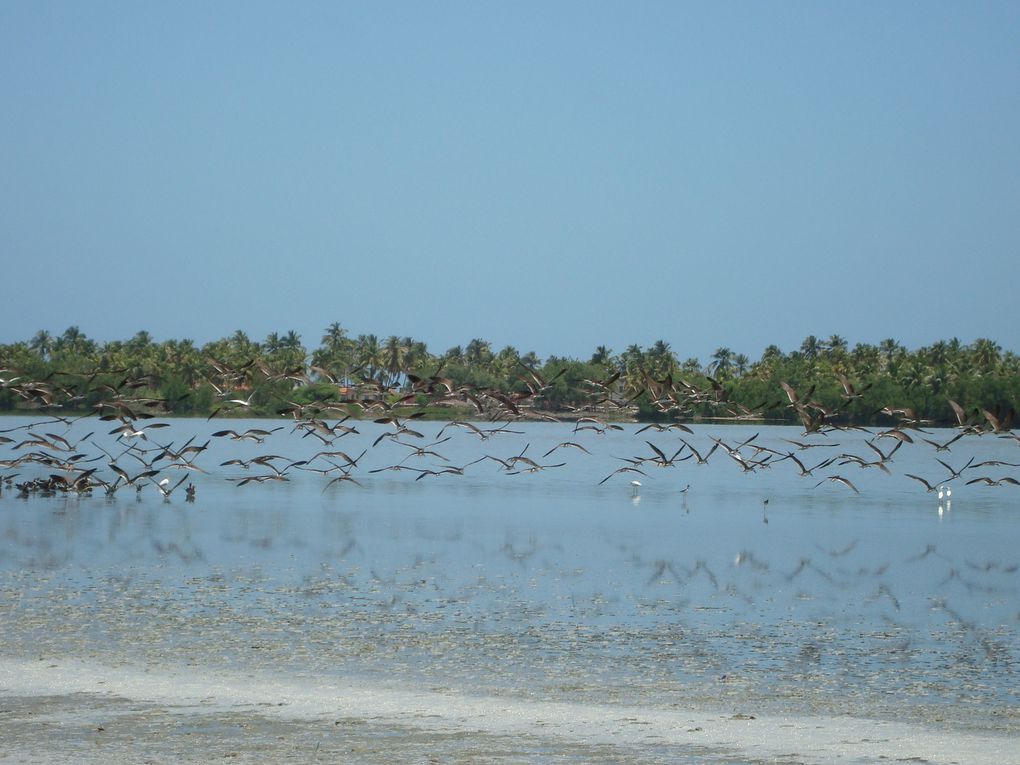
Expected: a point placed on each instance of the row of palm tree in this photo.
(282, 367)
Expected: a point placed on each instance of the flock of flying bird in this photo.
(134, 457)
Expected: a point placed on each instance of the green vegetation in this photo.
(72, 373)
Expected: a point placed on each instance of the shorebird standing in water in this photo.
(683, 493)
(635, 492)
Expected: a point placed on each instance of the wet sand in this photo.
(67, 711)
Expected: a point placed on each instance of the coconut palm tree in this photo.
(241, 349)
(660, 359)
(810, 347)
(633, 355)
(183, 357)
(393, 355)
(140, 343)
(335, 337)
(417, 354)
(722, 361)
(335, 353)
(505, 362)
(836, 346)
(74, 341)
(271, 345)
(985, 354)
(865, 361)
(691, 366)
(478, 353)
(368, 355)
(603, 355)
(740, 364)
(42, 344)
(530, 359)
(890, 349)
(632, 361)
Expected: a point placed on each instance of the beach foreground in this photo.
(91, 713)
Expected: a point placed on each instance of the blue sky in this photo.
(552, 176)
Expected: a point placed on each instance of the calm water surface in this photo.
(489, 616)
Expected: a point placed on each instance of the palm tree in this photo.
(334, 355)
(632, 362)
(740, 364)
(272, 344)
(112, 355)
(632, 355)
(506, 360)
(335, 337)
(368, 354)
(417, 354)
(602, 355)
(810, 347)
(241, 349)
(183, 357)
(985, 354)
(691, 366)
(478, 352)
(42, 344)
(74, 341)
(1009, 364)
(722, 360)
(393, 354)
(661, 359)
(140, 342)
(292, 340)
(889, 349)
(285, 351)
(771, 358)
(836, 345)
(531, 359)
(865, 360)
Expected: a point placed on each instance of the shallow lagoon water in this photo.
(494, 617)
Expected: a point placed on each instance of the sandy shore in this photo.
(69, 711)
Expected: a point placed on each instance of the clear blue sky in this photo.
(553, 176)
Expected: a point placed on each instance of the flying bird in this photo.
(838, 479)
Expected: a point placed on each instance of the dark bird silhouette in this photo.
(838, 479)
(565, 445)
(953, 473)
(927, 486)
(623, 470)
(993, 482)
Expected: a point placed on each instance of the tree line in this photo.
(78, 373)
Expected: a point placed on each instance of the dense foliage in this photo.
(273, 376)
